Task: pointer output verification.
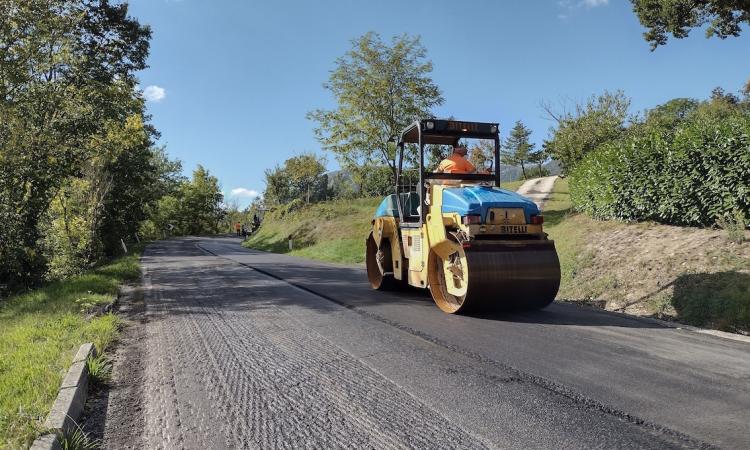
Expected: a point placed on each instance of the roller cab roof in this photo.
(447, 132)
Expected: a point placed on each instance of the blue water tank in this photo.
(477, 200)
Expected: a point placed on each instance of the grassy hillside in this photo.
(330, 231)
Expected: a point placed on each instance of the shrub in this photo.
(687, 175)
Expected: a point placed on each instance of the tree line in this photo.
(79, 170)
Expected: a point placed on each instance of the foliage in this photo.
(600, 119)
(686, 175)
(66, 83)
(517, 147)
(379, 89)
(677, 17)
(300, 177)
(194, 208)
(40, 331)
(538, 157)
(79, 440)
(482, 154)
(734, 223)
(99, 368)
(374, 180)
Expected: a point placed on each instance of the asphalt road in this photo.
(256, 350)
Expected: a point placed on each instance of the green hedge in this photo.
(687, 175)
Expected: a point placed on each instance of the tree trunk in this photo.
(523, 170)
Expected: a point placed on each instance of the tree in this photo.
(677, 17)
(201, 203)
(672, 112)
(306, 175)
(299, 178)
(66, 67)
(539, 157)
(379, 89)
(482, 154)
(518, 147)
(601, 119)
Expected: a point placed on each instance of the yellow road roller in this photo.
(474, 245)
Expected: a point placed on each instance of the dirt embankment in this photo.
(693, 275)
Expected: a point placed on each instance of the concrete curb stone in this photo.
(70, 401)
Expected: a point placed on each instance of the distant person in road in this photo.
(237, 228)
(456, 162)
(244, 231)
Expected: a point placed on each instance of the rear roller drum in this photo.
(380, 265)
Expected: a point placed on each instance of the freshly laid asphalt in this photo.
(246, 349)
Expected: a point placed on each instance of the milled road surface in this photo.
(256, 350)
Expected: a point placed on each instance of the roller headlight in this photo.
(429, 125)
(493, 129)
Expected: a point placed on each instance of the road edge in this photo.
(665, 323)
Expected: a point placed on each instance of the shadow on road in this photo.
(720, 299)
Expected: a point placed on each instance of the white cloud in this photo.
(154, 93)
(569, 7)
(594, 3)
(243, 192)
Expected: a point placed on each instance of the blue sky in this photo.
(230, 81)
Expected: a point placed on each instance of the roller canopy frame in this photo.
(442, 132)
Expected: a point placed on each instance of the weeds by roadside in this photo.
(79, 440)
(40, 332)
(735, 225)
(100, 369)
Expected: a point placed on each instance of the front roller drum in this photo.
(518, 275)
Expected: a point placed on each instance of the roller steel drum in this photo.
(507, 275)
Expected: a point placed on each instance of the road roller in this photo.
(474, 245)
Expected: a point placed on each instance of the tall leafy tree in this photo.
(600, 119)
(517, 146)
(299, 178)
(379, 88)
(306, 175)
(201, 203)
(539, 157)
(677, 17)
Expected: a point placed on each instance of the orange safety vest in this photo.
(456, 163)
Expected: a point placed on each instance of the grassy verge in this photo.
(512, 185)
(40, 331)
